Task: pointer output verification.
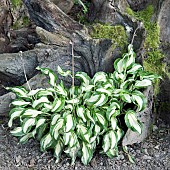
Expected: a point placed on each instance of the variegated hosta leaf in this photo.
(101, 119)
(17, 131)
(27, 124)
(73, 152)
(40, 122)
(132, 122)
(102, 100)
(63, 73)
(109, 141)
(119, 76)
(84, 77)
(44, 93)
(106, 142)
(34, 92)
(67, 136)
(93, 99)
(73, 140)
(127, 84)
(86, 88)
(25, 138)
(73, 101)
(55, 129)
(19, 91)
(31, 113)
(41, 131)
(135, 68)
(39, 101)
(126, 97)
(46, 142)
(129, 60)
(69, 122)
(113, 138)
(119, 65)
(47, 107)
(20, 103)
(14, 113)
(55, 118)
(58, 104)
(81, 112)
(99, 77)
(50, 73)
(86, 154)
(69, 107)
(58, 148)
(143, 83)
(96, 133)
(148, 76)
(113, 109)
(113, 123)
(139, 99)
(83, 132)
(120, 133)
(105, 91)
(89, 116)
(111, 153)
(60, 89)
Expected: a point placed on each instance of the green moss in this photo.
(116, 33)
(20, 23)
(153, 62)
(16, 3)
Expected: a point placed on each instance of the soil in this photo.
(152, 154)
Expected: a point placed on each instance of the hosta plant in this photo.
(76, 120)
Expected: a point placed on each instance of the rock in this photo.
(164, 95)
(65, 6)
(137, 5)
(146, 117)
(5, 101)
(32, 163)
(12, 68)
(18, 159)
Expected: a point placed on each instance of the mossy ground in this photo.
(153, 62)
(116, 33)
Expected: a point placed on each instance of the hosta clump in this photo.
(75, 120)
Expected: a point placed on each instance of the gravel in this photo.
(153, 153)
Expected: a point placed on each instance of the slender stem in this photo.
(134, 34)
(72, 56)
(23, 65)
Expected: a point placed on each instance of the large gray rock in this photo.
(147, 117)
(164, 96)
(5, 101)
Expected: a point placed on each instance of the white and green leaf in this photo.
(143, 83)
(99, 77)
(46, 142)
(86, 154)
(132, 122)
(62, 72)
(20, 103)
(58, 104)
(27, 124)
(58, 148)
(39, 101)
(50, 73)
(14, 113)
